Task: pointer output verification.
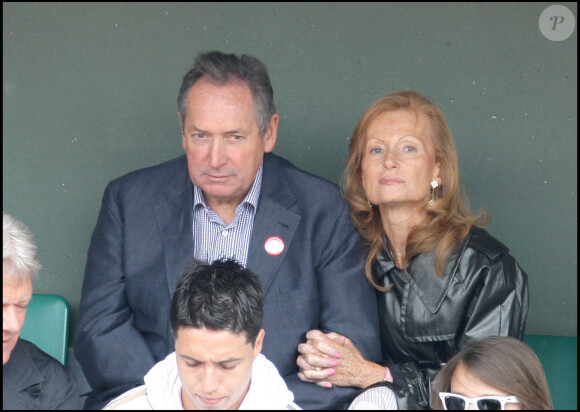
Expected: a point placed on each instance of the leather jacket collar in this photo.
(431, 289)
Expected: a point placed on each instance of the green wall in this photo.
(90, 94)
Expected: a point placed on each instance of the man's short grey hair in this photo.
(18, 251)
(221, 69)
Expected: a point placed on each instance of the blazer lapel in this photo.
(274, 217)
(175, 226)
(271, 220)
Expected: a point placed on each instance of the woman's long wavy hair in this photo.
(449, 218)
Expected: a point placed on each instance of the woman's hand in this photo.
(331, 358)
(315, 364)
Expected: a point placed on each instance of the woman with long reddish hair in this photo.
(442, 281)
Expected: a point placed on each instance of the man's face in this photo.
(215, 367)
(16, 295)
(222, 141)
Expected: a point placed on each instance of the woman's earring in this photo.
(434, 186)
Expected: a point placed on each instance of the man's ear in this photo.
(271, 134)
(259, 342)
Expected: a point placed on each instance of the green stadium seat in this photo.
(47, 325)
(559, 358)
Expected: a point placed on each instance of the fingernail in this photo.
(331, 372)
(337, 355)
(333, 363)
(329, 385)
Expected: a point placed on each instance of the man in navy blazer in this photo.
(293, 230)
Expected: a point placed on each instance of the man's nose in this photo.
(210, 380)
(218, 155)
(11, 320)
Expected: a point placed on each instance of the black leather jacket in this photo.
(425, 319)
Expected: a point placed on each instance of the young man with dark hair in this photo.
(216, 318)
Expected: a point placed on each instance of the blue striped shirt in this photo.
(213, 239)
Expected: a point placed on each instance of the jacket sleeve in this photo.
(348, 306)
(501, 305)
(112, 353)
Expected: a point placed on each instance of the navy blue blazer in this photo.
(143, 239)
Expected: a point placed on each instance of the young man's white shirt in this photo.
(162, 389)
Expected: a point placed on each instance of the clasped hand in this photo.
(330, 358)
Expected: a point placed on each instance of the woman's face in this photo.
(463, 382)
(398, 163)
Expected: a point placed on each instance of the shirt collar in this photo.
(251, 197)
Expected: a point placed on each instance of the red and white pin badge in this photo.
(274, 245)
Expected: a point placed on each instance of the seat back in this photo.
(559, 358)
(47, 325)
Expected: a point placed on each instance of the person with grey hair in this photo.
(31, 379)
(228, 196)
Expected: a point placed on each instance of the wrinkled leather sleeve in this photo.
(501, 306)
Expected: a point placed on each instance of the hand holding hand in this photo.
(331, 358)
(316, 363)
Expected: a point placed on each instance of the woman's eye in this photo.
(409, 148)
(376, 150)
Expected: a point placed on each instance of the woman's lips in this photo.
(390, 180)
